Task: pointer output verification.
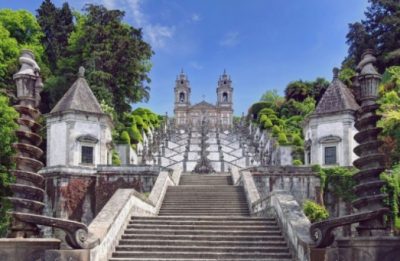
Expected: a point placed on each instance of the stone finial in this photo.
(366, 65)
(81, 72)
(28, 64)
(335, 73)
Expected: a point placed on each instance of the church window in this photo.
(330, 155)
(224, 97)
(181, 97)
(181, 82)
(87, 155)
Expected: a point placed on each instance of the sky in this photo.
(262, 44)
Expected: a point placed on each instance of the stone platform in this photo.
(26, 249)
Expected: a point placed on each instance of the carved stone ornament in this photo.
(28, 193)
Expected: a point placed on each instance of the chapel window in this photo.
(330, 155)
(87, 155)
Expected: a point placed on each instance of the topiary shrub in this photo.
(314, 211)
(282, 138)
(268, 124)
(125, 139)
(134, 135)
(297, 162)
(275, 130)
(297, 141)
(116, 160)
(265, 122)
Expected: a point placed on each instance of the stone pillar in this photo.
(347, 153)
(314, 146)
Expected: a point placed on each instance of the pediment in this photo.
(87, 138)
(330, 139)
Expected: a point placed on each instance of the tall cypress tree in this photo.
(380, 31)
(57, 25)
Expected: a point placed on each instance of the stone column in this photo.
(346, 143)
(314, 146)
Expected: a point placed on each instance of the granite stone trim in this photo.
(250, 188)
(112, 220)
(235, 174)
(157, 194)
(292, 221)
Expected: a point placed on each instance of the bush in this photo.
(116, 160)
(125, 139)
(265, 122)
(314, 211)
(282, 138)
(257, 107)
(297, 141)
(134, 135)
(392, 189)
(275, 130)
(297, 162)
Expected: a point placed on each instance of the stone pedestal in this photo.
(368, 249)
(26, 249)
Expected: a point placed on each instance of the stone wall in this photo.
(301, 182)
(80, 193)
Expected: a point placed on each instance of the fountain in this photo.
(203, 165)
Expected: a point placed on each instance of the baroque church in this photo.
(219, 115)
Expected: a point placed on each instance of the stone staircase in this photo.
(204, 218)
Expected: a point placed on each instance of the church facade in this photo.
(218, 115)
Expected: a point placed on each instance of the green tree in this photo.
(297, 90)
(380, 31)
(57, 24)
(116, 58)
(273, 98)
(7, 131)
(18, 30)
(318, 88)
(389, 101)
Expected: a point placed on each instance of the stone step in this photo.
(147, 242)
(203, 213)
(206, 249)
(205, 190)
(205, 209)
(197, 259)
(217, 237)
(204, 227)
(205, 200)
(205, 204)
(215, 255)
(213, 212)
(203, 222)
(264, 232)
(216, 187)
(204, 218)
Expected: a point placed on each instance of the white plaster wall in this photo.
(56, 147)
(331, 125)
(65, 149)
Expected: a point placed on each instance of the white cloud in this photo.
(110, 4)
(230, 39)
(137, 14)
(156, 34)
(196, 65)
(195, 17)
